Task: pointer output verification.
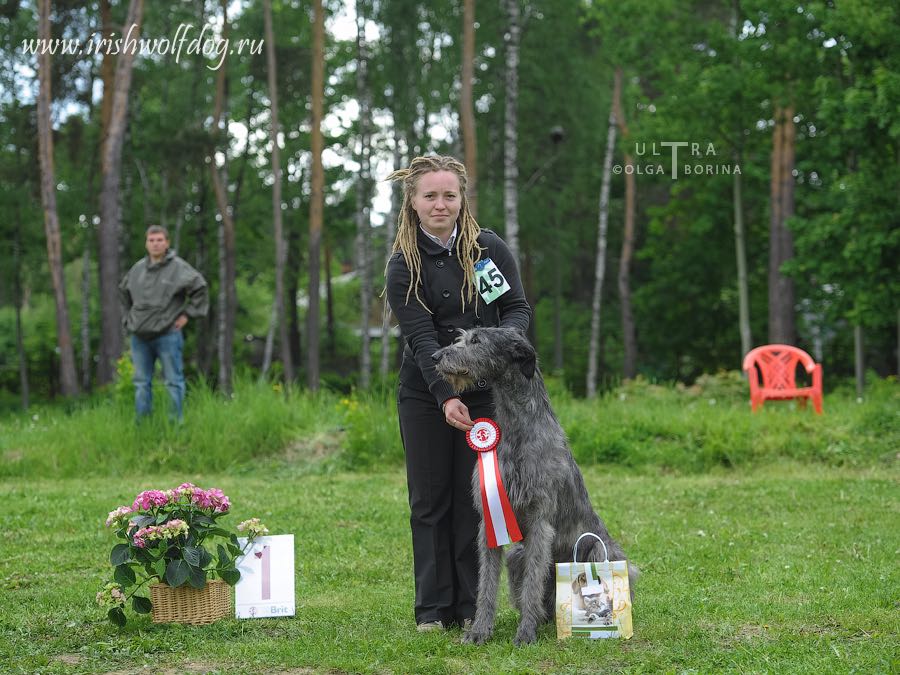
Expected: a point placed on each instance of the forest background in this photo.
(777, 222)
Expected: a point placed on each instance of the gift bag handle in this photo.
(590, 534)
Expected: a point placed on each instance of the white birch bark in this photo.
(510, 133)
(600, 266)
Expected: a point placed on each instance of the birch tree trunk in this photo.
(330, 332)
(86, 316)
(741, 255)
(511, 133)
(17, 290)
(390, 233)
(600, 267)
(781, 243)
(111, 336)
(740, 238)
(629, 341)
(859, 367)
(466, 106)
(278, 233)
(227, 302)
(316, 194)
(67, 378)
(363, 182)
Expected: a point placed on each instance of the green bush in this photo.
(373, 432)
(640, 424)
(259, 421)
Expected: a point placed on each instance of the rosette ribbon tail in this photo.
(500, 523)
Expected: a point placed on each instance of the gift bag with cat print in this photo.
(592, 598)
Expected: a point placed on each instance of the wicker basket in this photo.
(186, 604)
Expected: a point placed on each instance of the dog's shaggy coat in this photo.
(545, 487)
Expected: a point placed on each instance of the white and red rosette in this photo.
(500, 524)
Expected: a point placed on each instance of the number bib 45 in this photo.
(490, 282)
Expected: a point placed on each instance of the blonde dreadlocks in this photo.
(467, 249)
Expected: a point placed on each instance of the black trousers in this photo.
(444, 522)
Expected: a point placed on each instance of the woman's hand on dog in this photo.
(456, 414)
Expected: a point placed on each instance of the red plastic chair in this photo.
(777, 364)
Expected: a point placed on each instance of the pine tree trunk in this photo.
(111, 335)
(280, 247)
(363, 182)
(467, 109)
(67, 377)
(781, 245)
(629, 341)
(600, 267)
(316, 194)
(227, 257)
(511, 134)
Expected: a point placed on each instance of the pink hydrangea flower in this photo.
(253, 527)
(185, 489)
(150, 498)
(213, 499)
(168, 530)
(117, 517)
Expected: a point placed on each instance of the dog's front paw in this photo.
(526, 635)
(474, 636)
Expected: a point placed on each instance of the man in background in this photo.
(159, 294)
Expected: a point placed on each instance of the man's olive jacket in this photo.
(155, 294)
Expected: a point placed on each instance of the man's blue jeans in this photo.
(144, 353)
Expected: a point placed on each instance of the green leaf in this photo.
(143, 521)
(230, 577)
(177, 572)
(161, 518)
(224, 558)
(117, 616)
(197, 577)
(141, 605)
(120, 553)
(143, 556)
(200, 519)
(235, 550)
(219, 532)
(205, 557)
(192, 555)
(159, 569)
(124, 575)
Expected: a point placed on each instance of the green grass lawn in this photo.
(782, 568)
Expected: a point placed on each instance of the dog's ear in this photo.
(523, 354)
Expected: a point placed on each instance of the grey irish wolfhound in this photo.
(545, 487)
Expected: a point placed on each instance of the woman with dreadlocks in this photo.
(445, 274)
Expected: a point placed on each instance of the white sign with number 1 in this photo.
(266, 587)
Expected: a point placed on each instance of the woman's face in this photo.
(437, 201)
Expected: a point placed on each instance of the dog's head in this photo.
(485, 353)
